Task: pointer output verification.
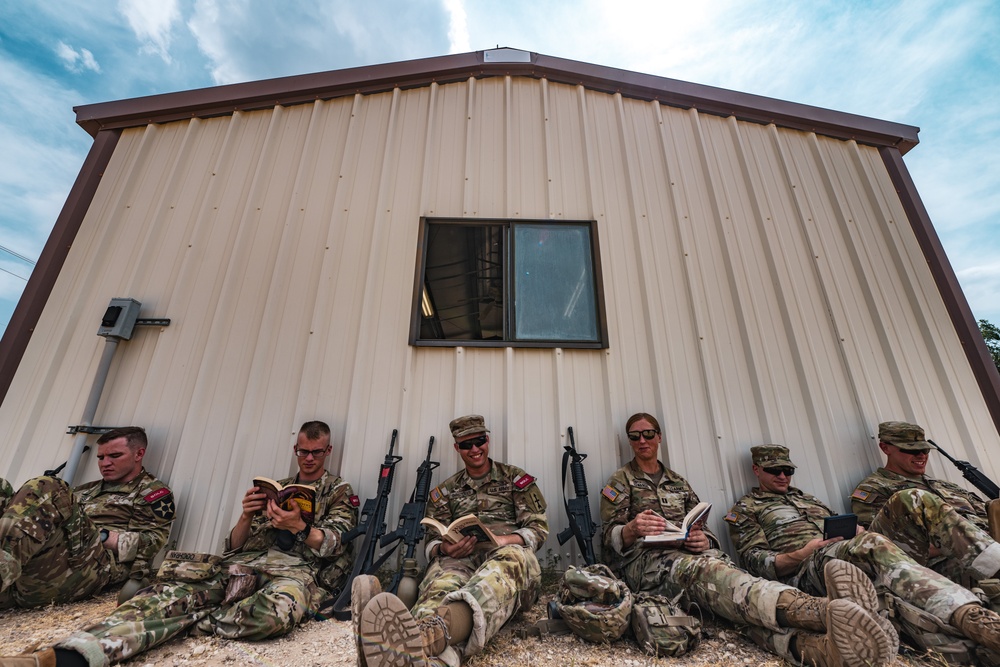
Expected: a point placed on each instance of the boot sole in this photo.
(390, 636)
(856, 635)
(845, 581)
(363, 589)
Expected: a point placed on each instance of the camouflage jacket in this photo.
(875, 489)
(140, 511)
(6, 491)
(631, 491)
(507, 500)
(336, 511)
(764, 524)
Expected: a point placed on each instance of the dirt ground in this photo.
(329, 644)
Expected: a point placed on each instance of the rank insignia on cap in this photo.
(435, 494)
(732, 517)
(354, 500)
(611, 493)
(861, 495)
(523, 481)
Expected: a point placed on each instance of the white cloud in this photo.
(76, 61)
(458, 27)
(152, 23)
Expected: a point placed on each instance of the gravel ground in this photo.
(329, 644)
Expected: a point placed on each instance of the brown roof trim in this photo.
(50, 263)
(223, 100)
(983, 368)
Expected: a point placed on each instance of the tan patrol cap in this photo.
(468, 425)
(769, 456)
(906, 436)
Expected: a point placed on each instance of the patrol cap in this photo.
(768, 456)
(906, 436)
(468, 425)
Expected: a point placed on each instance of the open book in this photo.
(302, 495)
(675, 534)
(462, 527)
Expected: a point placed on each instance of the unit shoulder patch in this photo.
(524, 481)
(156, 495)
(354, 500)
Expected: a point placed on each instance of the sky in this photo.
(932, 64)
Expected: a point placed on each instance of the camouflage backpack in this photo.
(662, 628)
(594, 604)
(928, 632)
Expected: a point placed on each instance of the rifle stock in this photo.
(372, 525)
(974, 475)
(581, 524)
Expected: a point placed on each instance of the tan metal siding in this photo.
(762, 285)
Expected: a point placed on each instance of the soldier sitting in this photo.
(777, 530)
(467, 594)
(59, 544)
(639, 499)
(272, 549)
(937, 523)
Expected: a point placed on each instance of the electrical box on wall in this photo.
(119, 319)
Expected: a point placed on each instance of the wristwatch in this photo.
(104, 534)
(302, 535)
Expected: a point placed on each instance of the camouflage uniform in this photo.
(496, 584)
(6, 491)
(286, 588)
(50, 537)
(919, 513)
(709, 579)
(763, 525)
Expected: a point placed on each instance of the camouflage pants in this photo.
(711, 581)
(163, 611)
(50, 551)
(505, 581)
(890, 569)
(916, 520)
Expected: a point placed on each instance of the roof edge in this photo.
(302, 88)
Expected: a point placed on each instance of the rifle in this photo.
(974, 475)
(409, 531)
(58, 469)
(581, 525)
(372, 526)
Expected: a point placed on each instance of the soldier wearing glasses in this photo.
(264, 585)
(642, 496)
(467, 594)
(777, 530)
(937, 523)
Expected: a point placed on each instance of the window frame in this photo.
(426, 222)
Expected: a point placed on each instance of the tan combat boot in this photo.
(979, 624)
(845, 581)
(363, 589)
(391, 637)
(43, 658)
(853, 639)
(795, 609)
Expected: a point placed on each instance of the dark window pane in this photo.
(554, 283)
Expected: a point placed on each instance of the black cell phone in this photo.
(840, 525)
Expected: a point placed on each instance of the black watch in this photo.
(104, 534)
(302, 535)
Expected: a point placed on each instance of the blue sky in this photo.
(933, 64)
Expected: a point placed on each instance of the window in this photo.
(508, 283)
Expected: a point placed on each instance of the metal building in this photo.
(759, 271)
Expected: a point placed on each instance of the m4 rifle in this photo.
(581, 524)
(975, 476)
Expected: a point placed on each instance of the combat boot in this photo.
(853, 639)
(390, 636)
(795, 609)
(43, 658)
(363, 589)
(846, 581)
(979, 624)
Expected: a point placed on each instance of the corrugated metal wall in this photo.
(762, 285)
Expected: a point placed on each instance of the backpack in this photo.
(594, 604)
(662, 628)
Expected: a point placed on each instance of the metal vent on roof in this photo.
(506, 55)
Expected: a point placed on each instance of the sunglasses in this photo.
(466, 445)
(782, 470)
(648, 434)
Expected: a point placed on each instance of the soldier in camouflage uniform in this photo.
(937, 523)
(468, 593)
(274, 549)
(637, 502)
(58, 544)
(778, 531)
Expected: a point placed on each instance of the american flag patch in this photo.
(354, 501)
(435, 494)
(860, 495)
(523, 481)
(732, 517)
(610, 493)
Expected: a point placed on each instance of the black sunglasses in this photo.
(786, 471)
(648, 434)
(466, 445)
